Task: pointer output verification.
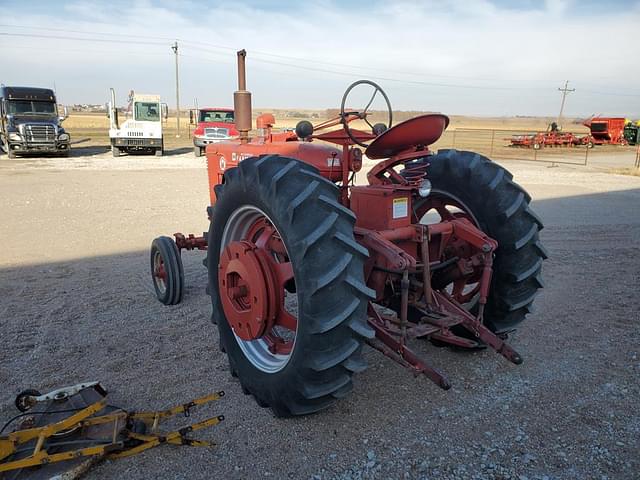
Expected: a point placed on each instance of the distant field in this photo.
(489, 136)
(94, 128)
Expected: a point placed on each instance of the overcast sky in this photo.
(454, 56)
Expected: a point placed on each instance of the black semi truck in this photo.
(30, 122)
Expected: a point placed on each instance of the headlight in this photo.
(425, 188)
(64, 137)
(15, 136)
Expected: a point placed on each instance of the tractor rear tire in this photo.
(501, 208)
(328, 268)
(169, 283)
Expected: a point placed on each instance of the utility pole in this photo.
(174, 47)
(565, 91)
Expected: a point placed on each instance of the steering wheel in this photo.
(362, 115)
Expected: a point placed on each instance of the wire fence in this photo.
(497, 144)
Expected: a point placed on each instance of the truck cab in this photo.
(30, 122)
(213, 125)
(142, 130)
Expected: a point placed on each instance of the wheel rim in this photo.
(257, 289)
(159, 273)
(449, 207)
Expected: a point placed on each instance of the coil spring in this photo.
(414, 175)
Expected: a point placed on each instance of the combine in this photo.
(305, 266)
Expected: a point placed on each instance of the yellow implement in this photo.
(130, 433)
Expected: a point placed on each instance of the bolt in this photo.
(486, 248)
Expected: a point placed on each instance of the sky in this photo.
(471, 57)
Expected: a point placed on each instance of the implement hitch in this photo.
(440, 311)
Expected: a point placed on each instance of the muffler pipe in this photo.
(242, 100)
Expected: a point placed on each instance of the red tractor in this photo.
(212, 125)
(305, 266)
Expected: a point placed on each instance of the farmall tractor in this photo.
(305, 267)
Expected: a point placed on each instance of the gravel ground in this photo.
(77, 304)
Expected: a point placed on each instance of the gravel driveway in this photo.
(77, 304)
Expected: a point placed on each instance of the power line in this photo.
(290, 65)
(174, 47)
(62, 37)
(565, 91)
(253, 52)
(387, 79)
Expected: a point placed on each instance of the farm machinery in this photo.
(305, 266)
(606, 131)
(632, 132)
(553, 137)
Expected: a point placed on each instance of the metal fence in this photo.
(497, 144)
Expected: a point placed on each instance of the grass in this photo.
(633, 171)
(93, 129)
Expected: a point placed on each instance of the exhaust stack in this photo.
(113, 110)
(242, 100)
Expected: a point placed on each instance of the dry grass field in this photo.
(95, 127)
(488, 136)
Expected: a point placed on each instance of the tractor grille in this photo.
(40, 133)
(216, 132)
(138, 142)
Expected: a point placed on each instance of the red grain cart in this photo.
(606, 131)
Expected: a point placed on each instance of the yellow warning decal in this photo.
(400, 207)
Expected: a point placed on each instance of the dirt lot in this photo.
(77, 305)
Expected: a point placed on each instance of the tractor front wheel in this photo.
(167, 272)
(287, 287)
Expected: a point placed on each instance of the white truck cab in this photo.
(142, 130)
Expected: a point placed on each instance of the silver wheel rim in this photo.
(471, 303)
(256, 351)
(160, 283)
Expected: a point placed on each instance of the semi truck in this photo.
(142, 130)
(213, 125)
(31, 123)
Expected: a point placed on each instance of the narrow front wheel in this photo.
(167, 272)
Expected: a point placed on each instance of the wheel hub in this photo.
(247, 289)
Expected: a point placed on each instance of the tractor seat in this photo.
(418, 131)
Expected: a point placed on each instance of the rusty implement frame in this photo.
(441, 312)
(122, 442)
